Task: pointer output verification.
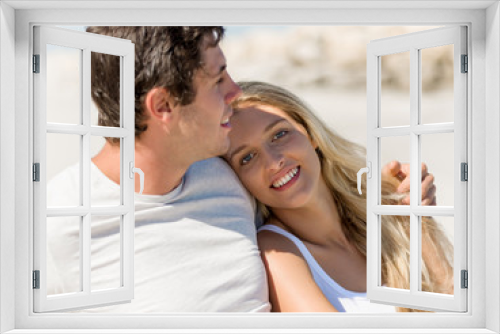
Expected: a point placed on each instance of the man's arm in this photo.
(400, 174)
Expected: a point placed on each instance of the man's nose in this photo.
(233, 93)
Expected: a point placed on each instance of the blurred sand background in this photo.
(326, 66)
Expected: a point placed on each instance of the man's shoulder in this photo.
(212, 171)
(212, 166)
(214, 177)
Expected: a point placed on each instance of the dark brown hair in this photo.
(165, 57)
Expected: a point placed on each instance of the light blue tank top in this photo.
(342, 299)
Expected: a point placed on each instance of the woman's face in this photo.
(273, 156)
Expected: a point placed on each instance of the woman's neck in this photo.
(318, 222)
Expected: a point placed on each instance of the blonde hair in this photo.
(340, 161)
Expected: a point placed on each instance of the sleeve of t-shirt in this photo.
(221, 173)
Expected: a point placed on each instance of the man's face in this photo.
(205, 121)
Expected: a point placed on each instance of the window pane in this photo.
(105, 93)
(105, 252)
(395, 90)
(63, 151)
(64, 91)
(394, 149)
(105, 187)
(437, 254)
(395, 251)
(437, 85)
(63, 254)
(437, 152)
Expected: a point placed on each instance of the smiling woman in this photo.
(314, 240)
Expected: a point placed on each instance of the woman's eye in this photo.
(246, 159)
(280, 134)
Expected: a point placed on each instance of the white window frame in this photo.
(483, 20)
(454, 35)
(125, 132)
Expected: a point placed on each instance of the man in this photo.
(195, 244)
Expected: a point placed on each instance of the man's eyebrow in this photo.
(267, 129)
(222, 68)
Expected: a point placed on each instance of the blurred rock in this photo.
(325, 56)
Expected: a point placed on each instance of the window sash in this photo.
(88, 43)
(414, 43)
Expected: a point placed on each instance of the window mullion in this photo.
(414, 170)
(127, 122)
(85, 168)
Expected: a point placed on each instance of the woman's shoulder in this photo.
(273, 221)
(271, 240)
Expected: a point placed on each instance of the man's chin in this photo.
(224, 147)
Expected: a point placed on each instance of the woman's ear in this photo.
(159, 104)
(314, 143)
(316, 148)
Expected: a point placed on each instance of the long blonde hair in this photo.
(340, 161)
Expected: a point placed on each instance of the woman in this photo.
(314, 241)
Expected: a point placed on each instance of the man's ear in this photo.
(159, 103)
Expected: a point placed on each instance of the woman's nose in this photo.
(275, 160)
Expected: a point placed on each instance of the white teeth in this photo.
(285, 179)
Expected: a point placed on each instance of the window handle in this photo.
(368, 171)
(139, 171)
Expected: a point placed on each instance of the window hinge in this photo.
(465, 279)
(464, 171)
(36, 172)
(36, 279)
(465, 64)
(36, 63)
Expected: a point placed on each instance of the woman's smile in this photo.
(286, 181)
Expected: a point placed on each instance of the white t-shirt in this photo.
(195, 247)
(342, 299)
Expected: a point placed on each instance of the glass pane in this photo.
(437, 85)
(105, 106)
(63, 254)
(395, 149)
(64, 91)
(395, 251)
(395, 90)
(63, 154)
(437, 152)
(105, 187)
(437, 254)
(105, 252)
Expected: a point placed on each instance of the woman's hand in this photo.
(401, 174)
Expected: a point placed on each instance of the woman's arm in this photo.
(291, 285)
